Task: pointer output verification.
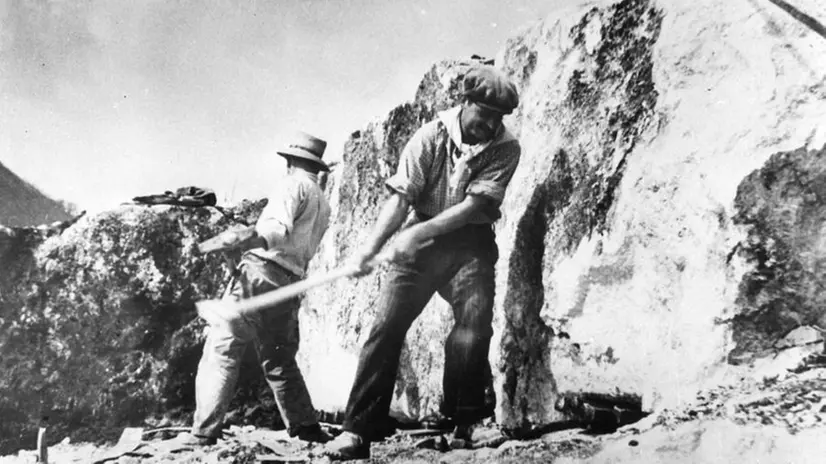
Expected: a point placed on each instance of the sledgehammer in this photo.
(229, 313)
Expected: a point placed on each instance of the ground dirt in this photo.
(771, 416)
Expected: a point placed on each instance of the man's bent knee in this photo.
(469, 337)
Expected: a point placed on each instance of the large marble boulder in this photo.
(640, 249)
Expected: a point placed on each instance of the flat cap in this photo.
(490, 88)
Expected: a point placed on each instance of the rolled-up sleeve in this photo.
(276, 220)
(410, 178)
(493, 179)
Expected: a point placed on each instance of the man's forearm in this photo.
(450, 219)
(391, 217)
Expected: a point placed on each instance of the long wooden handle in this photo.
(269, 299)
(222, 312)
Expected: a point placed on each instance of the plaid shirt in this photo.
(436, 171)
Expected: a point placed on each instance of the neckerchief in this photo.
(461, 153)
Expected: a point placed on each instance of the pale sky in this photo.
(104, 100)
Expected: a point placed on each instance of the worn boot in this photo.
(347, 446)
(462, 436)
(313, 433)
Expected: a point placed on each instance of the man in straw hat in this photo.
(453, 173)
(286, 237)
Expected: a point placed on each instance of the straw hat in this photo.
(304, 145)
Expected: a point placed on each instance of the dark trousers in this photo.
(460, 266)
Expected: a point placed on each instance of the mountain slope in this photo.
(24, 205)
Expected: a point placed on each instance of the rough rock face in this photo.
(784, 206)
(603, 102)
(97, 323)
(637, 278)
(626, 264)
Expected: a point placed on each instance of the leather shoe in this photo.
(313, 433)
(463, 431)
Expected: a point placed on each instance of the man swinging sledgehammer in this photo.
(274, 254)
